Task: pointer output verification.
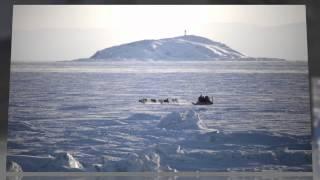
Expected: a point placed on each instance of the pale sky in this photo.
(66, 32)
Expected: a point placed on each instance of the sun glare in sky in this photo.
(60, 32)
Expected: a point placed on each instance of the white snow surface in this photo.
(188, 47)
(96, 122)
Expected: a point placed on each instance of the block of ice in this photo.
(62, 161)
(13, 167)
(65, 160)
(148, 161)
(180, 121)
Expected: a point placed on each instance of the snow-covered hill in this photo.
(188, 47)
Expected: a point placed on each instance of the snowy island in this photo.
(180, 48)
